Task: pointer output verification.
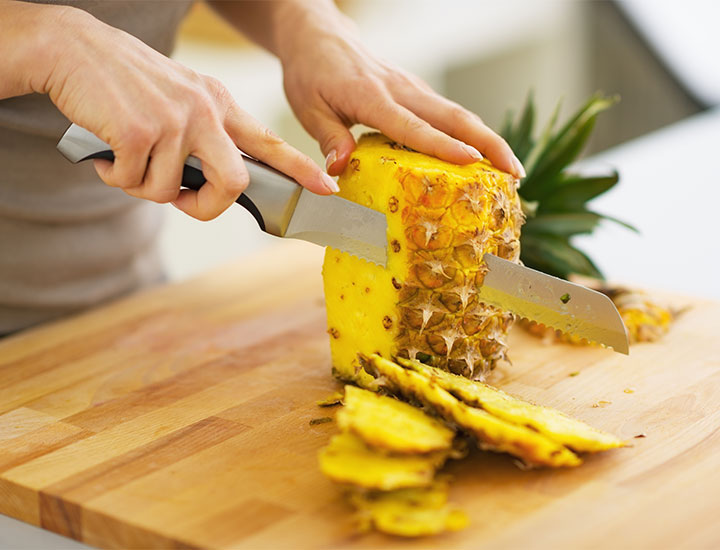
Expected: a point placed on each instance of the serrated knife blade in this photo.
(340, 223)
(569, 307)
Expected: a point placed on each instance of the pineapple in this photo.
(388, 424)
(442, 218)
(645, 319)
(408, 512)
(347, 459)
(492, 432)
(553, 424)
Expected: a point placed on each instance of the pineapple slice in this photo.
(348, 460)
(442, 218)
(388, 424)
(408, 512)
(492, 432)
(645, 319)
(557, 426)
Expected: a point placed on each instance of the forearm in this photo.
(28, 44)
(279, 25)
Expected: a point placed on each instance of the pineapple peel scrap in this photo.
(387, 424)
(533, 448)
(408, 512)
(347, 459)
(559, 427)
(331, 400)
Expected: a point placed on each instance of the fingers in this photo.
(164, 173)
(452, 119)
(404, 126)
(226, 177)
(336, 141)
(259, 142)
(131, 160)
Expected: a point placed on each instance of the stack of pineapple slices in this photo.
(389, 451)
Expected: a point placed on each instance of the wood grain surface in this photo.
(180, 417)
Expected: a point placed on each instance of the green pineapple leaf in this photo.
(566, 224)
(519, 137)
(572, 192)
(555, 255)
(564, 147)
(555, 200)
(539, 146)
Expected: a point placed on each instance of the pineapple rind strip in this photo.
(550, 422)
(493, 432)
(348, 460)
(385, 423)
(409, 512)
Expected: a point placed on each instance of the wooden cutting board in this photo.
(181, 417)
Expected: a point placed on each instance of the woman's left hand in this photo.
(333, 82)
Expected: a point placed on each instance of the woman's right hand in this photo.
(154, 113)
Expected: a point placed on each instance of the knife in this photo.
(280, 206)
(285, 209)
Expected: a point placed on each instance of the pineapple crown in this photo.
(554, 198)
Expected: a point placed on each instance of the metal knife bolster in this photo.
(271, 199)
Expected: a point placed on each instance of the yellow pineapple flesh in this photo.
(387, 424)
(347, 459)
(442, 218)
(408, 512)
(557, 426)
(492, 432)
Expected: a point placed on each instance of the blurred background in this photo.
(659, 56)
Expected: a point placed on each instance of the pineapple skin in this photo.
(442, 218)
(391, 425)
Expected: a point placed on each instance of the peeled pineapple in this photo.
(442, 218)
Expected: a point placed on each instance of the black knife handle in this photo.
(194, 179)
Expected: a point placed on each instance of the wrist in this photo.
(298, 24)
(31, 44)
(62, 31)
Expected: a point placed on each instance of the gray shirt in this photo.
(68, 241)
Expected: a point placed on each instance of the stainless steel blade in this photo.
(569, 307)
(339, 223)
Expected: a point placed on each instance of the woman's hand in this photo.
(333, 82)
(154, 112)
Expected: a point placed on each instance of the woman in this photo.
(67, 242)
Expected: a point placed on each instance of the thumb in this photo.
(336, 142)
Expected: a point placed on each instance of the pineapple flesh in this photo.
(492, 432)
(557, 426)
(347, 459)
(387, 424)
(442, 218)
(408, 512)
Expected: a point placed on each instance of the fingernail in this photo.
(330, 183)
(474, 153)
(519, 168)
(330, 159)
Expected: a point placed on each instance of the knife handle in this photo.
(270, 197)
